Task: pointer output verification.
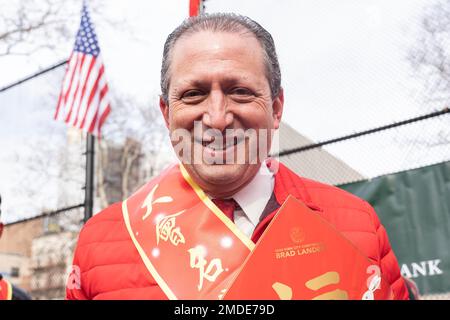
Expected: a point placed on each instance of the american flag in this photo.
(83, 101)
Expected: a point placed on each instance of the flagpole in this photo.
(89, 187)
(87, 114)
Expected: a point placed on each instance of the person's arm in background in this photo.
(19, 294)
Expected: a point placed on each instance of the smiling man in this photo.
(187, 232)
(218, 80)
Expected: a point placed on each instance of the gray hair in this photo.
(224, 22)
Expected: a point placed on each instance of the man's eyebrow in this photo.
(227, 81)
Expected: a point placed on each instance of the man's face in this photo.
(218, 82)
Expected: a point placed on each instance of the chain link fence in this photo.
(405, 145)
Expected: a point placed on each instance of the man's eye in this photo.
(192, 94)
(241, 92)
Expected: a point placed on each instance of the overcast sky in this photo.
(344, 66)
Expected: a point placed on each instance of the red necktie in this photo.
(227, 206)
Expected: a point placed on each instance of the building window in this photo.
(14, 272)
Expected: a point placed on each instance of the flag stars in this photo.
(86, 41)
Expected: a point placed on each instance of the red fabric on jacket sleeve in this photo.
(388, 262)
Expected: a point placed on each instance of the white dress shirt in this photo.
(253, 199)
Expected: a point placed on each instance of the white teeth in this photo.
(214, 146)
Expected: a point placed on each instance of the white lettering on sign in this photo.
(422, 268)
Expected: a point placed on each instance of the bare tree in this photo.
(49, 162)
(31, 26)
(430, 57)
(127, 156)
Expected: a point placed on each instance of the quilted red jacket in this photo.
(110, 266)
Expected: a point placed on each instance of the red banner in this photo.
(194, 7)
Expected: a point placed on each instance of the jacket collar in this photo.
(288, 183)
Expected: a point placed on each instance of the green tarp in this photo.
(414, 206)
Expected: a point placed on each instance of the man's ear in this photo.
(277, 109)
(164, 110)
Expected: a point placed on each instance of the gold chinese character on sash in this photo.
(166, 230)
(198, 261)
(284, 292)
(149, 202)
(326, 279)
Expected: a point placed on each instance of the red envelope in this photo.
(302, 256)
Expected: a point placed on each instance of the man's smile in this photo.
(220, 143)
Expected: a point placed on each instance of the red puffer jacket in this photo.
(110, 266)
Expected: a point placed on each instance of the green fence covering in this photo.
(414, 206)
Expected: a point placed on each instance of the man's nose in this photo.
(217, 115)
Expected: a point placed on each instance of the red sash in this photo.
(5, 290)
(190, 247)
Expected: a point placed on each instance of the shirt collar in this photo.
(254, 196)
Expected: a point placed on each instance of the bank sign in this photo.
(414, 207)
